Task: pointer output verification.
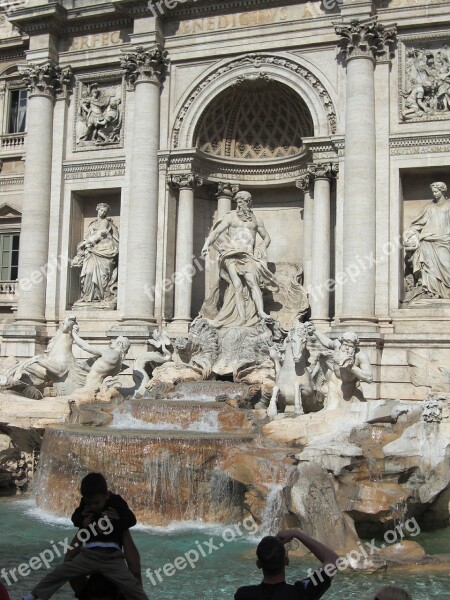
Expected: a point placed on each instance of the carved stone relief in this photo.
(99, 117)
(425, 80)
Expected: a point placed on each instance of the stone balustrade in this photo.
(12, 143)
(8, 292)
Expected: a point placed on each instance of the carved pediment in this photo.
(9, 214)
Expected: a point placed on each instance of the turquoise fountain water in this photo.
(26, 531)
(167, 461)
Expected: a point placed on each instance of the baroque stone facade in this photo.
(337, 126)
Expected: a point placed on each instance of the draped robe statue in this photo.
(97, 256)
(243, 268)
(428, 238)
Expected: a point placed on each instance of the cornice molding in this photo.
(419, 144)
(94, 169)
(49, 17)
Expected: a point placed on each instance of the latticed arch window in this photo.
(255, 120)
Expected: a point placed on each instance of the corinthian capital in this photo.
(228, 190)
(366, 38)
(47, 79)
(323, 170)
(144, 64)
(304, 182)
(184, 181)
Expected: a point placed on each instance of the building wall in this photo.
(200, 41)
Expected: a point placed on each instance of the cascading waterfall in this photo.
(165, 476)
(273, 515)
(179, 416)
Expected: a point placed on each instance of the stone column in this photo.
(361, 43)
(319, 289)
(186, 185)
(304, 184)
(44, 83)
(225, 194)
(144, 70)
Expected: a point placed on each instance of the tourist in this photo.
(272, 558)
(106, 517)
(97, 586)
(392, 592)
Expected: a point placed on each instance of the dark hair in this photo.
(271, 555)
(92, 484)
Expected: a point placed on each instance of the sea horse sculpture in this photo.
(193, 357)
(293, 377)
(57, 364)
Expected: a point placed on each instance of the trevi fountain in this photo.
(248, 415)
(232, 290)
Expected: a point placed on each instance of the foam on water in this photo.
(40, 514)
(30, 510)
(194, 398)
(208, 423)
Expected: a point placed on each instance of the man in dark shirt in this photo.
(104, 518)
(272, 558)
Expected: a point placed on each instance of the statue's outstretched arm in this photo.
(364, 371)
(85, 346)
(220, 228)
(326, 341)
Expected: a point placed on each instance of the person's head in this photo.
(392, 592)
(438, 189)
(243, 199)
(121, 343)
(271, 556)
(103, 209)
(94, 490)
(349, 341)
(310, 327)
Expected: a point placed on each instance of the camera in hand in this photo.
(98, 515)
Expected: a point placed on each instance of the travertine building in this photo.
(127, 127)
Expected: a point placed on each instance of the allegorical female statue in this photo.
(428, 239)
(97, 255)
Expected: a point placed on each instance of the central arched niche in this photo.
(255, 126)
(255, 120)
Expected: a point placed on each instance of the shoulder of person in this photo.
(116, 500)
(246, 592)
(314, 587)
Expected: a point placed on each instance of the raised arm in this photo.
(326, 341)
(322, 552)
(84, 345)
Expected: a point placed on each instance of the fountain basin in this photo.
(165, 476)
(181, 415)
